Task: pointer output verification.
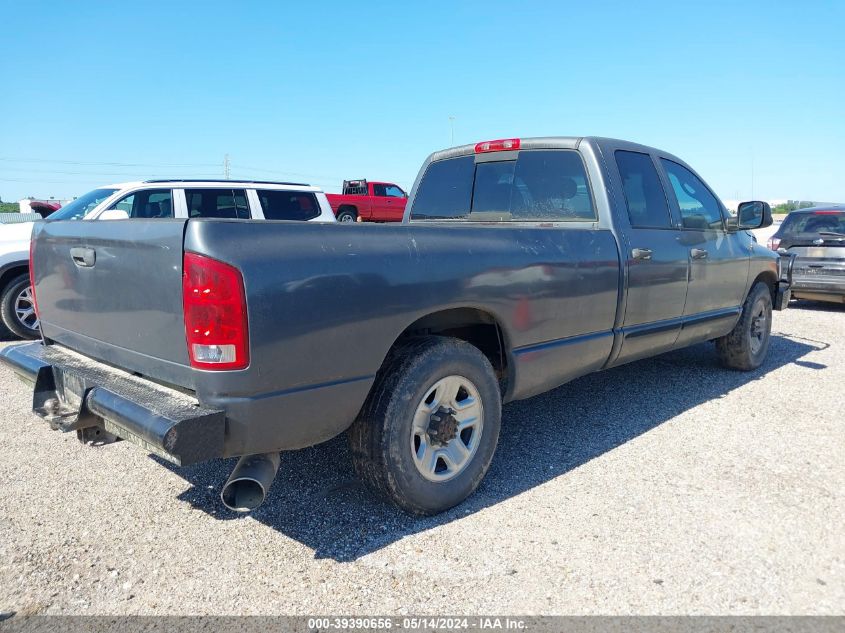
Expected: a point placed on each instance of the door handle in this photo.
(84, 257)
(641, 253)
(698, 253)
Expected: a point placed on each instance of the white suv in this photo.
(151, 199)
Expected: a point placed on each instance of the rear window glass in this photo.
(539, 186)
(828, 221)
(446, 190)
(217, 203)
(288, 205)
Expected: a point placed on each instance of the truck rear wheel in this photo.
(427, 433)
(347, 215)
(745, 347)
(17, 308)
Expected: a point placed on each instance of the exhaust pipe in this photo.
(249, 482)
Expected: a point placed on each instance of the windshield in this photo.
(813, 223)
(77, 209)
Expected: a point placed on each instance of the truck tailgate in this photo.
(112, 290)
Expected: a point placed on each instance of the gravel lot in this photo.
(669, 486)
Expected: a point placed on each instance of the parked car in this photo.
(817, 237)
(152, 199)
(521, 265)
(368, 201)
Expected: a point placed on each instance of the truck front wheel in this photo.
(427, 433)
(745, 347)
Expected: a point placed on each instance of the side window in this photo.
(148, 204)
(644, 195)
(217, 203)
(445, 191)
(699, 208)
(378, 190)
(392, 191)
(288, 205)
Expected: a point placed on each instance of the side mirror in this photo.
(753, 215)
(113, 214)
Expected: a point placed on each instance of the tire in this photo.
(399, 428)
(347, 216)
(16, 295)
(745, 347)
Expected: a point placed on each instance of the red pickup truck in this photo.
(368, 201)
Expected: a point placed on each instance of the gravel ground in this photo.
(669, 486)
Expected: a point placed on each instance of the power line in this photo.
(106, 164)
(74, 173)
(264, 170)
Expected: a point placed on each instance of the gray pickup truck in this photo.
(521, 264)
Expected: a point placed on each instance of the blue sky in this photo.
(104, 92)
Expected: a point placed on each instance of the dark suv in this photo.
(817, 237)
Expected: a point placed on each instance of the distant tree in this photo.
(791, 205)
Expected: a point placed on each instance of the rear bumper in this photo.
(74, 393)
(783, 294)
(815, 284)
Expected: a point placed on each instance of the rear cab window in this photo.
(217, 203)
(532, 186)
(278, 204)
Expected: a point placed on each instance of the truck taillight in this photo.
(774, 243)
(32, 276)
(501, 145)
(214, 304)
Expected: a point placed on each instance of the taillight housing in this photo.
(32, 276)
(214, 305)
(774, 243)
(500, 145)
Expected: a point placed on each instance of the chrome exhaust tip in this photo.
(249, 482)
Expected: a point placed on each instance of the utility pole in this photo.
(752, 175)
(452, 131)
(226, 167)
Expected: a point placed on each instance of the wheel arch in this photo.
(9, 271)
(770, 279)
(476, 326)
(348, 207)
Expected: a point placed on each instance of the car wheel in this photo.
(745, 347)
(427, 433)
(17, 308)
(347, 216)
